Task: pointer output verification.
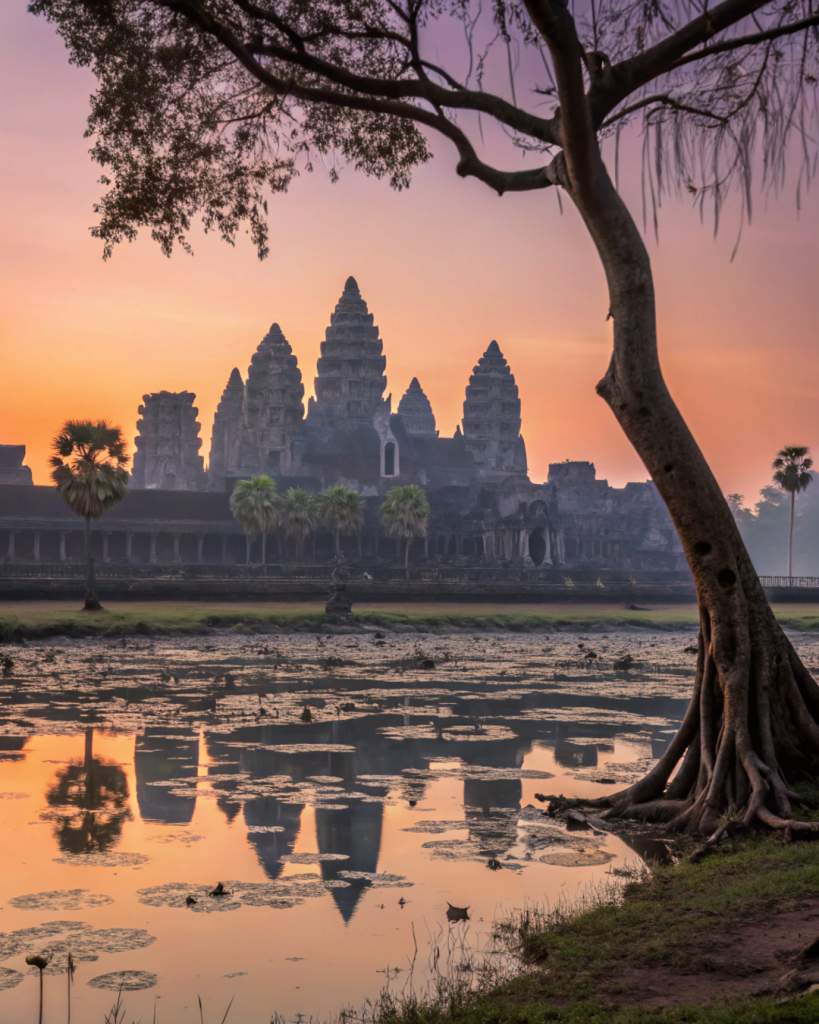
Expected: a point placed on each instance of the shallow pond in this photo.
(136, 775)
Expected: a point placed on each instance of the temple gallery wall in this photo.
(485, 509)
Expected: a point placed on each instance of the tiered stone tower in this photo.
(351, 381)
(416, 412)
(273, 407)
(227, 430)
(168, 443)
(492, 416)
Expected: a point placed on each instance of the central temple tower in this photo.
(351, 381)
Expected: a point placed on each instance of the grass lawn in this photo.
(669, 931)
(61, 618)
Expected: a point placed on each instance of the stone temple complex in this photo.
(485, 509)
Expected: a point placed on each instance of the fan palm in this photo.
(342, 511)
(88, 469)
(256, 506)
(405, 514)
(300, 513)
(89, 801)
(792, 474)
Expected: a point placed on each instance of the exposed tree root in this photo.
(753, 722)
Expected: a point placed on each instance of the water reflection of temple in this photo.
(270, 847)
(161, 755)
(274, 822)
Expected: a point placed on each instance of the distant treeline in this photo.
(765, 530)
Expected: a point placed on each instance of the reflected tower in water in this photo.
(355, 832)
(160, 755)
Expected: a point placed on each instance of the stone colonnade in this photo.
(529, 546)
(143, 545)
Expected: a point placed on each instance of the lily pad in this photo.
(60, 899)
(9, 978)
(576, 858)
(104, 860)
(125, 981)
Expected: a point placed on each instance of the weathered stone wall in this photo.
(12, 470)
(167, 444)
(227, 433)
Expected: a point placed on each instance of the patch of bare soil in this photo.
(753, 958)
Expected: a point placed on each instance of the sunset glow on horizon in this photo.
(445, 267)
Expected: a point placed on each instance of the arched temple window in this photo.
(537, 546)
(389, 458)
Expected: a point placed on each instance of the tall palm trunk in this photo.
(92, 601)
(337, 537)
(247, 549)
(790, 536)
(754, 713)
(406, 555)
(264, 551)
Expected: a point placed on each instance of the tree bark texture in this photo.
(754, 713)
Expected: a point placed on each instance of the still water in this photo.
(136, 775)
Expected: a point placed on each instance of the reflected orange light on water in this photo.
(306, 959)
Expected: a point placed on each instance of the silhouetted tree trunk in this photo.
(753, 714)
(790, 536)
(92, 601)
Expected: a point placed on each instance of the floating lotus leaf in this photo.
(9, 978)
(104, 860)
(60, 899)
(60, 938)
(378, 880)
(436, 827)
(576, 858)
(311, 858)
(124, 981)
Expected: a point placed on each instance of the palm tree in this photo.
(792, 474)
(405, 514)
(257, 507)
(300, 514)
(89, 802)
(89, 472)
(342, 510)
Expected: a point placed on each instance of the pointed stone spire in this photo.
(416, 412)
(492, 415)
(350, 382)
(227, 429)
(273, 407)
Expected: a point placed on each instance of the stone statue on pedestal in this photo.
(340, 603)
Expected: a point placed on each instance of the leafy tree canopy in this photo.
(88, 466)
(203, 106)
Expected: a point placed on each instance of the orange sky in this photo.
(445, 267)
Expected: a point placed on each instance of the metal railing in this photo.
(789, 581)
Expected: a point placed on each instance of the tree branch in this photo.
(631, 74)
(666, 100)
(469, 164)
(750, 40)
(452, 98)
